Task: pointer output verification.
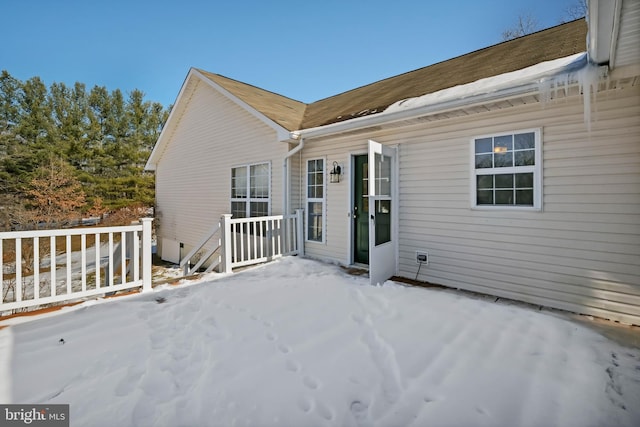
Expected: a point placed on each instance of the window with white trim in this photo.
(507, 170)
(250, 190)
(315, 200)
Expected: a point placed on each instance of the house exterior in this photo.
(512, 171)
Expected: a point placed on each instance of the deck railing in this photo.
(50, 266)
(260, 239)
(238, 242)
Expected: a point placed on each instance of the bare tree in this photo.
(527, 24)
(126, 215)
(576, 10)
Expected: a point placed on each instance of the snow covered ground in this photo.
(300, 343)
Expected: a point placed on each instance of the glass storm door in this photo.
(382, 245)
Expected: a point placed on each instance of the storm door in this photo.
(382, 215)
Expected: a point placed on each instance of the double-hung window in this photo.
(250, 192)
(315, 200)
(507, 170)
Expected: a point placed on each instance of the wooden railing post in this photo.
(226, 236)
(146, 254)
(300, 231)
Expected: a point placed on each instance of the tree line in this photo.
(66, 151)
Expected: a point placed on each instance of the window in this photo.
(250, 190)
(383, 206)
(507, 170)
(315, 200)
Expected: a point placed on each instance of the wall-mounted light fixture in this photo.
(334, 175)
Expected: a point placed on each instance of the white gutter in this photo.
(602, 19)
(286, 174)
(397, 116)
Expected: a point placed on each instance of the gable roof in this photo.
(284, 111)
(546, 45)
(276, 111)
(286, 115)
(553, 43)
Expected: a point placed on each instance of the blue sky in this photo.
(306, 50)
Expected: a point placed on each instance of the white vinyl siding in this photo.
(315, 200)
(193, 179)
(581, 253)
(336, 247)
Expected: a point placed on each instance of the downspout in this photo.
(286, 172)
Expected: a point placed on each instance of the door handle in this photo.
(373, 218)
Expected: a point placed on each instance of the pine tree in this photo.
(9, 108)
(102, 138)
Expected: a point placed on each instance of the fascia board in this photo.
(162, 139)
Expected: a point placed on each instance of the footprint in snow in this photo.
(305, 403)
(284, 349)
(131, 380)
(358, 318)
(360, 411)
(324, 411)
(311, 382)
(292, 365)
(271, 336)
(481, 411)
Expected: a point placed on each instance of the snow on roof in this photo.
(538, 73)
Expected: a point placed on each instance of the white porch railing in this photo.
(51, 266)
(238, 242)
(42, 267)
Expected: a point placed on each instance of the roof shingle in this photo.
(553, 43)
(546, 45)
(284, 111)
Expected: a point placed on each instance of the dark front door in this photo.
(361, 210)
